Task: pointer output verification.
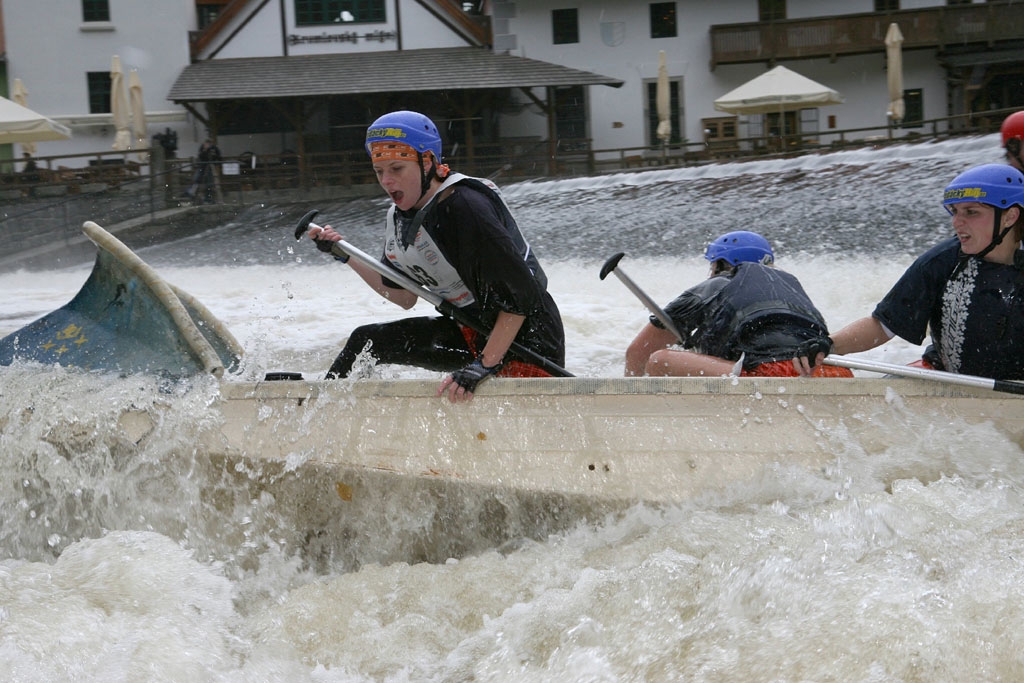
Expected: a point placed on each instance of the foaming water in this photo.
(297, 315)
(898, 561)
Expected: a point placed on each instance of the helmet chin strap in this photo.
(425, 176)
(997, 236)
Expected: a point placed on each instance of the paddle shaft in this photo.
(933, 375)
(611, 265)
(443, 306)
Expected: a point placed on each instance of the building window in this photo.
(95, 10)
(570, 118)
(810, 125)
(913, 107)
(565, 27)
(768, 126)
(319, 12)
(719, 132)
(208, 14)
(663, 20)
(887, 5)
(99, 92)
(652, 113)
(771, 10)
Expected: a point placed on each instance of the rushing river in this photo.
(125, 566)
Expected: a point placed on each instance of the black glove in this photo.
(326, 246)
(812, 347)
(474, 373)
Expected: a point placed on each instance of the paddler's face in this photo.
(401, 180)
(972, 222)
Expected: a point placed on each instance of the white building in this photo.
(958, 57)
(307, 76)
(62, 51)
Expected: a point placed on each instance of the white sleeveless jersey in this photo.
(422, 259)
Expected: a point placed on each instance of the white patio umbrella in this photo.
(21, 124)
(777, 91)
(20, 95)
(138, 108)
(119, 106)
(662, 99)
(894, 72)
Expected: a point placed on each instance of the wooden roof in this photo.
(460, 68)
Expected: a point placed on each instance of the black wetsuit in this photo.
(757, 310)
(473, 231)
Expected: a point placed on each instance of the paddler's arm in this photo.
(646, 342)
(506, 327)
(860, 335)
(461, 384)
(397, 295)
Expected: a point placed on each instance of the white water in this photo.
(899, 565)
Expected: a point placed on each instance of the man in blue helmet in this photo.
(745, 309)
(967, 290)
(455, 236)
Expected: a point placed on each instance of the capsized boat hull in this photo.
(126, 318)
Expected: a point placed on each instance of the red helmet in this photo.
(1013, 127)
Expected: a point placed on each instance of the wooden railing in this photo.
(978, 25)
(245, 176)
(55, 176)
(113, 197)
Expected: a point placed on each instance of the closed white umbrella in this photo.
(894, 69)
(20, 95)
(119, 106)
(138, 110)
(662, 98)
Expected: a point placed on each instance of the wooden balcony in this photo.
(978, 25)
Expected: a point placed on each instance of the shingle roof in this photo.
(462, 68)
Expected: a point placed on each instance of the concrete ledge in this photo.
(138, 232)
(51, 190)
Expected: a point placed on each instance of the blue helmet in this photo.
(997, 185)
(409, 127)
(740, 246)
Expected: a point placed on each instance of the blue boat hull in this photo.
(126, 319)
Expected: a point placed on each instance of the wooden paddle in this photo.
(444, 307)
